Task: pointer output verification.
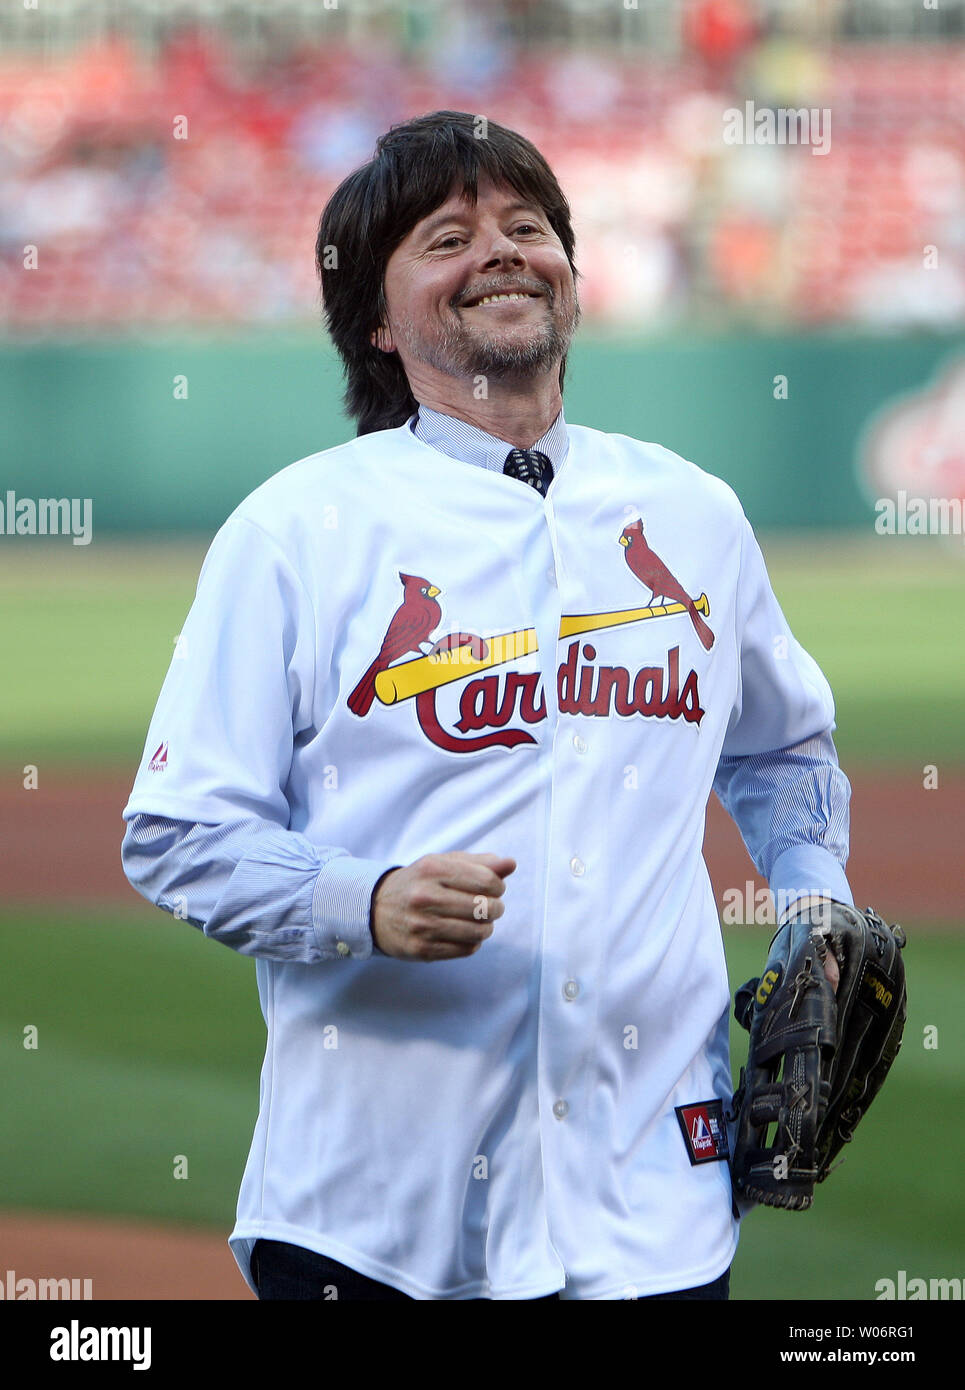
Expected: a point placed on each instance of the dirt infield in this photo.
(62, 843)
(122, 1259)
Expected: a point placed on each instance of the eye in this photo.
(446, 240)
(527, 226)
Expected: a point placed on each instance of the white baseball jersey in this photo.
(546, 1114)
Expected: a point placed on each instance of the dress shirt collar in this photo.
(470, 444)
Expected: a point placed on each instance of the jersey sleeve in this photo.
(778, 776)
(263, 891)
(209, 838)
(237, 692)
(783, 697)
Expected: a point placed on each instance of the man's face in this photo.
(437, 278)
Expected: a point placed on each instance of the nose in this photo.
(502, 250)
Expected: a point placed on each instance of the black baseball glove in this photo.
(817, 1058)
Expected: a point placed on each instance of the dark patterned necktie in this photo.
(529, 466)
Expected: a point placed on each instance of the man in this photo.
(452, 701)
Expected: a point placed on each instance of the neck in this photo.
(520, 412)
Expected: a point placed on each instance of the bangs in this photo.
(415, 176)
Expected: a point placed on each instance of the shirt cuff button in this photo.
(343, 948)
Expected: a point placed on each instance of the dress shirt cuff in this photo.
(805, 870)
(341, 905)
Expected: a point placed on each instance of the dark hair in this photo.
(413, 172)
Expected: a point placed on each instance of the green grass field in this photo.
(88, 635)
(150, 1042)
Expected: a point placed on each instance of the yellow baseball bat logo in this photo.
(589, 622)
(422, 673)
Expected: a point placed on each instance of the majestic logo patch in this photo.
(160, 760)
(702, 1126)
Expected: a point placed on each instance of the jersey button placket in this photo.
(569, 1044)
(562, 1065)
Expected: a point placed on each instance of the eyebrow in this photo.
(440, 219)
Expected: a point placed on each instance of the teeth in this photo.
(495, 298)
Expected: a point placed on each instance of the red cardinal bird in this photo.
(413, 620)
(651, 570)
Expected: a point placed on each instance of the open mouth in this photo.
(509, 297)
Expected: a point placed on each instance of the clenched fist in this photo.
(441, 907)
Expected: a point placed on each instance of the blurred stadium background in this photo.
(162, 170)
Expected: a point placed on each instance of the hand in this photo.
(441, 907)
(832, 970)
(831, 967)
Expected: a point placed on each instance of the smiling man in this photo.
(453, 698)
(504, 323)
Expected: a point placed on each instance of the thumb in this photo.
(500, 864)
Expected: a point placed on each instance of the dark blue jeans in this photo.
(283, 1271)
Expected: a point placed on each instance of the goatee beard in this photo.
(500, 359)
(459, 354)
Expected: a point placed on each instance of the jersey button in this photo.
(551, 575)
(571, 989)
(580, 743)
(343, 948)
(577, 867)
(560, 1109)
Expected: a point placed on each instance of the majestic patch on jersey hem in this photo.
(160, 760)
(703, 1129)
